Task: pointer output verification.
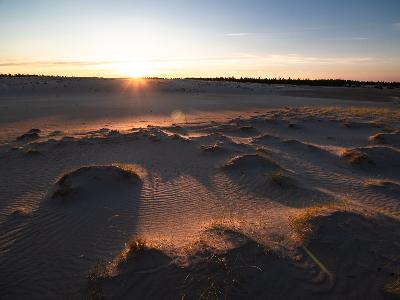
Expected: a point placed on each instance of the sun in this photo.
(134, 69)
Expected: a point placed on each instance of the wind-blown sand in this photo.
(190, 189)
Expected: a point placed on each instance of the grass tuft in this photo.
(300, 224)
(356, 157)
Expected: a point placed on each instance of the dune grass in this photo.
(356, 157)
(300, 224)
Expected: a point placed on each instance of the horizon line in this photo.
(216, 78)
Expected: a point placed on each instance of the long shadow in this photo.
(67, 235)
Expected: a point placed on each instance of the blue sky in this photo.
(316, 39)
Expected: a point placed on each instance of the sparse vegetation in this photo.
(22, 212)
(356, 157)
(301, 223)
(211, 148)
(135, 245)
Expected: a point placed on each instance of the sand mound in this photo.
(378, 161)
(234, 129)
(282, 186)
(388, 188)
(360, 252)
(357, 157)
(380, 156)
(258, 174)
(301, 145)
(238, 270)
(154, 134)
(32, 134)
(226, 264)
(92, 179)
(265, 139)
(392, 138)
(214, 148)
(251, 163)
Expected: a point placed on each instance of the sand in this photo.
(187, 189)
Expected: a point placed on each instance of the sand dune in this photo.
(271, 200)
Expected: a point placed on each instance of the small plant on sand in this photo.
(211, 148)
(127, 171)
(22, 212)
(133, 246)
(356, 157)
(300, 224)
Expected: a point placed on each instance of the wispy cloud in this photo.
(47, 63)
(272, 59)
(238, 34)
(244, 60)
(356, 38)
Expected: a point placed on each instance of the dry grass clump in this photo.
(393, 286)
(356, 157)
(127, 171)
(22, 212)
(300, 224)
(132, 247)
(211, 148)
(32, 134)
(103, 270)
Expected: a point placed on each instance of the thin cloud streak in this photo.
(53, 63)
(265, 59)
(238, 34)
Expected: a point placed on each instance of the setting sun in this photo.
(133, 69)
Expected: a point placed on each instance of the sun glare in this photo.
(134, 69)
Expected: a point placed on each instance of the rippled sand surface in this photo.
(284, 202)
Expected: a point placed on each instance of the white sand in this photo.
(217, 192)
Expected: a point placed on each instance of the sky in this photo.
(350, 39)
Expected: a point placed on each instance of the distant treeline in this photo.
(311, 82)
(293, 81)
(32, 75)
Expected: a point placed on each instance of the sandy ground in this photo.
(159, 189)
